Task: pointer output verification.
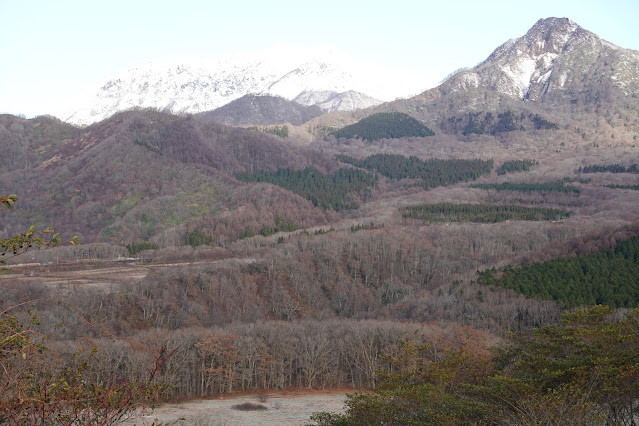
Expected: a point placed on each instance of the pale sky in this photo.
(53, 51)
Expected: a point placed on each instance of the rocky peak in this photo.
(554, 55)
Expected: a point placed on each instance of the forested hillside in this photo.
(149, 175)
(24, 143)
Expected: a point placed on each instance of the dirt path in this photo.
(100, 277)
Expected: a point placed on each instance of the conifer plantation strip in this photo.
(330, 192)
(517, 166)
(527, 187)
(450, 212)
(432, 172)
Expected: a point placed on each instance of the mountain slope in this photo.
(143, 175)
(263, 111)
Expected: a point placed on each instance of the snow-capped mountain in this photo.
(555, 57)
(320, 76)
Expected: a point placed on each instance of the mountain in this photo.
(555, 59)
(320, 77)
(556, 76)
(263, 111)
(147, 174)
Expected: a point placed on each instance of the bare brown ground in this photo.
(283, 408)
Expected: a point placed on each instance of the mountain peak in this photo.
(562, 25)
(556, 55)
(548, 36)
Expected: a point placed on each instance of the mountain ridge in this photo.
(322, 77)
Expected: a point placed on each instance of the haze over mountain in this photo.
(320, 76)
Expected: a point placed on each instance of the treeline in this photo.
(527, 187)
(281, 225)
(610, 168)
(385, 125)
(329, 192)
(516, 166)
(570, 179)
(450, 212)
(281, 131)
(609, 277)
(432, 172)
(631, 187)
(135, 248)
(582, 371)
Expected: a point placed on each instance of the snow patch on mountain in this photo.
(470, 80)
(520, 73)
(348, 101)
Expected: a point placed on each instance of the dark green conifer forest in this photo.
(326, 191)
(432, 172)
(516, 166)
(385, 125)
(450, 212)
(608, 277)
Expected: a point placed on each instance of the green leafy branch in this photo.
(7, 200)
(33, 238)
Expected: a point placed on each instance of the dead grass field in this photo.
(283, 409)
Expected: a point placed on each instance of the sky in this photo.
(52, 52)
